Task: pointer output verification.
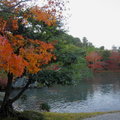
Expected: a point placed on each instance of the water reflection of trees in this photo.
(106, 82)
(75, 93)
(102, 83)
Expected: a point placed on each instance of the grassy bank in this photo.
(57, 116)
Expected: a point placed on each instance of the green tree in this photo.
(71, 55)
(85, 42)
(102, 48)
(105, 54)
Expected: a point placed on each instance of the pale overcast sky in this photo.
(98, 20)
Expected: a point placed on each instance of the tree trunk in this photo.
(6, 107)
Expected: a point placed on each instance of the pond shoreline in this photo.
(87, 96)
(59, 116)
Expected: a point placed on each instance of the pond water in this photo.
(102, 93)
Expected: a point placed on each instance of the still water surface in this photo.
(102, 93)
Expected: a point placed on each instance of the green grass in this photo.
(70, 116)
(57, 116)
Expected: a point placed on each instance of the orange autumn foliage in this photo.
(14, 24)
(37, 56)
(2, 24)
(94, 60)
(17, 52)
(9, 61)
(42, 15)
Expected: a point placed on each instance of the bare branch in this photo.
(8, 10)
(18, 3)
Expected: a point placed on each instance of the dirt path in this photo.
(110, 116)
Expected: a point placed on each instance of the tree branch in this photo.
(8, 10)
(18, 3)
(21, 92)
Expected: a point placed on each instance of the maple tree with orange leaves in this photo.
(19, 54)
(94, 60)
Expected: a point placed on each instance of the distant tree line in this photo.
(104, 60)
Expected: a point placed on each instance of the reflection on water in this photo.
(102, 93)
